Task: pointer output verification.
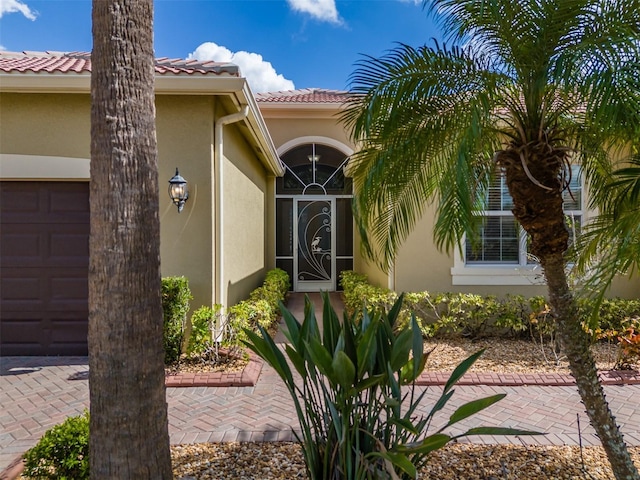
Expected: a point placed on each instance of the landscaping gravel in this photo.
(280, 460)
(509, 356)
(462, 461)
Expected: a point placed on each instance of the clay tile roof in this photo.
(178, 65)
(47, 62)
(80, 62)
(306, 95)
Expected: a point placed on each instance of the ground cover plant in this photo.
(357, 401)
(442, 315)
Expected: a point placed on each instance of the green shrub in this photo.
(249, 314)
(613, 314)
(62, 453)
(175, 306)
(261, 309)
(200, 335)
(474, 316)
(513, 317)
(357, 292)
(277, 280)
(357, 402)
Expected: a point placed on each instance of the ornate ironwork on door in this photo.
(314, 241)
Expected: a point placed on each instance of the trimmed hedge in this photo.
(262, 307)
(176, 295)
(194, 336)
(477, 315)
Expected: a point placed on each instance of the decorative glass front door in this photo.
(314, 258)
(314, 223)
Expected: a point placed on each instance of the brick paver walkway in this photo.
(39, 392)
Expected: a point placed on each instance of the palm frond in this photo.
(610, 244)
(423, 118)
(428, 120)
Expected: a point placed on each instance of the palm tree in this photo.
(128, 422)
(610, 243)
(537, 85)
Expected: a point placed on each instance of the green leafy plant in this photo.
(200, 336)
(62, 453)
(513, 318)
(175, 306)
(449, 313)
(261, 309)
(356, 401)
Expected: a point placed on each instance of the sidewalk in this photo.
(39, 392)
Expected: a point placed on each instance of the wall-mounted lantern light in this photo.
(178, 190)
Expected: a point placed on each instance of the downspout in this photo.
(221, 287)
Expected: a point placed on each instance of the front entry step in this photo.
(295, 304)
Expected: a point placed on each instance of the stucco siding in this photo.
(283, 130)
(421, 266)
(45, 125)
(184, 128)
(245, 216)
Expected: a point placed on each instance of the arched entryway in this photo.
(314, 223)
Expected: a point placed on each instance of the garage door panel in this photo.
(45, 202)
(70, 247)
(18, 203)
(44, 336)
(69, 331)
(21, 245)
(44, 245)
(69, 201)
(44, 255)
(21, 289)
(59, 289)
(68, 293)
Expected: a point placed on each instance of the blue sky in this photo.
(278, 44)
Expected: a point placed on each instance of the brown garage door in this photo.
(44, 259)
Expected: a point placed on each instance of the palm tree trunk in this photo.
(129, 435)
(575, 342)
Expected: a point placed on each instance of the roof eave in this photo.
(81, 83)
(259, 130)
(45, 82)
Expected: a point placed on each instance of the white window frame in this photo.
(523, 273)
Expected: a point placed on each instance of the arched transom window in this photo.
(314, 169)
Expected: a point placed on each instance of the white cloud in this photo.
(13, 6)
(324, 10)
(260, 74)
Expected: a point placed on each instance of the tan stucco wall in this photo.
(420, 266)
(283, 130)
(184, 127)
(246, 204)
(56, 128)
(45, 124)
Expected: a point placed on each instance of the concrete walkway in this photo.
(39, 392)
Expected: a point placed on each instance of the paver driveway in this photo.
(39, 392)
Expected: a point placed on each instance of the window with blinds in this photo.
(500, 239)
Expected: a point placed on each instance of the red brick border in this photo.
(244, 378)
(607, 377)
(14, 470)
